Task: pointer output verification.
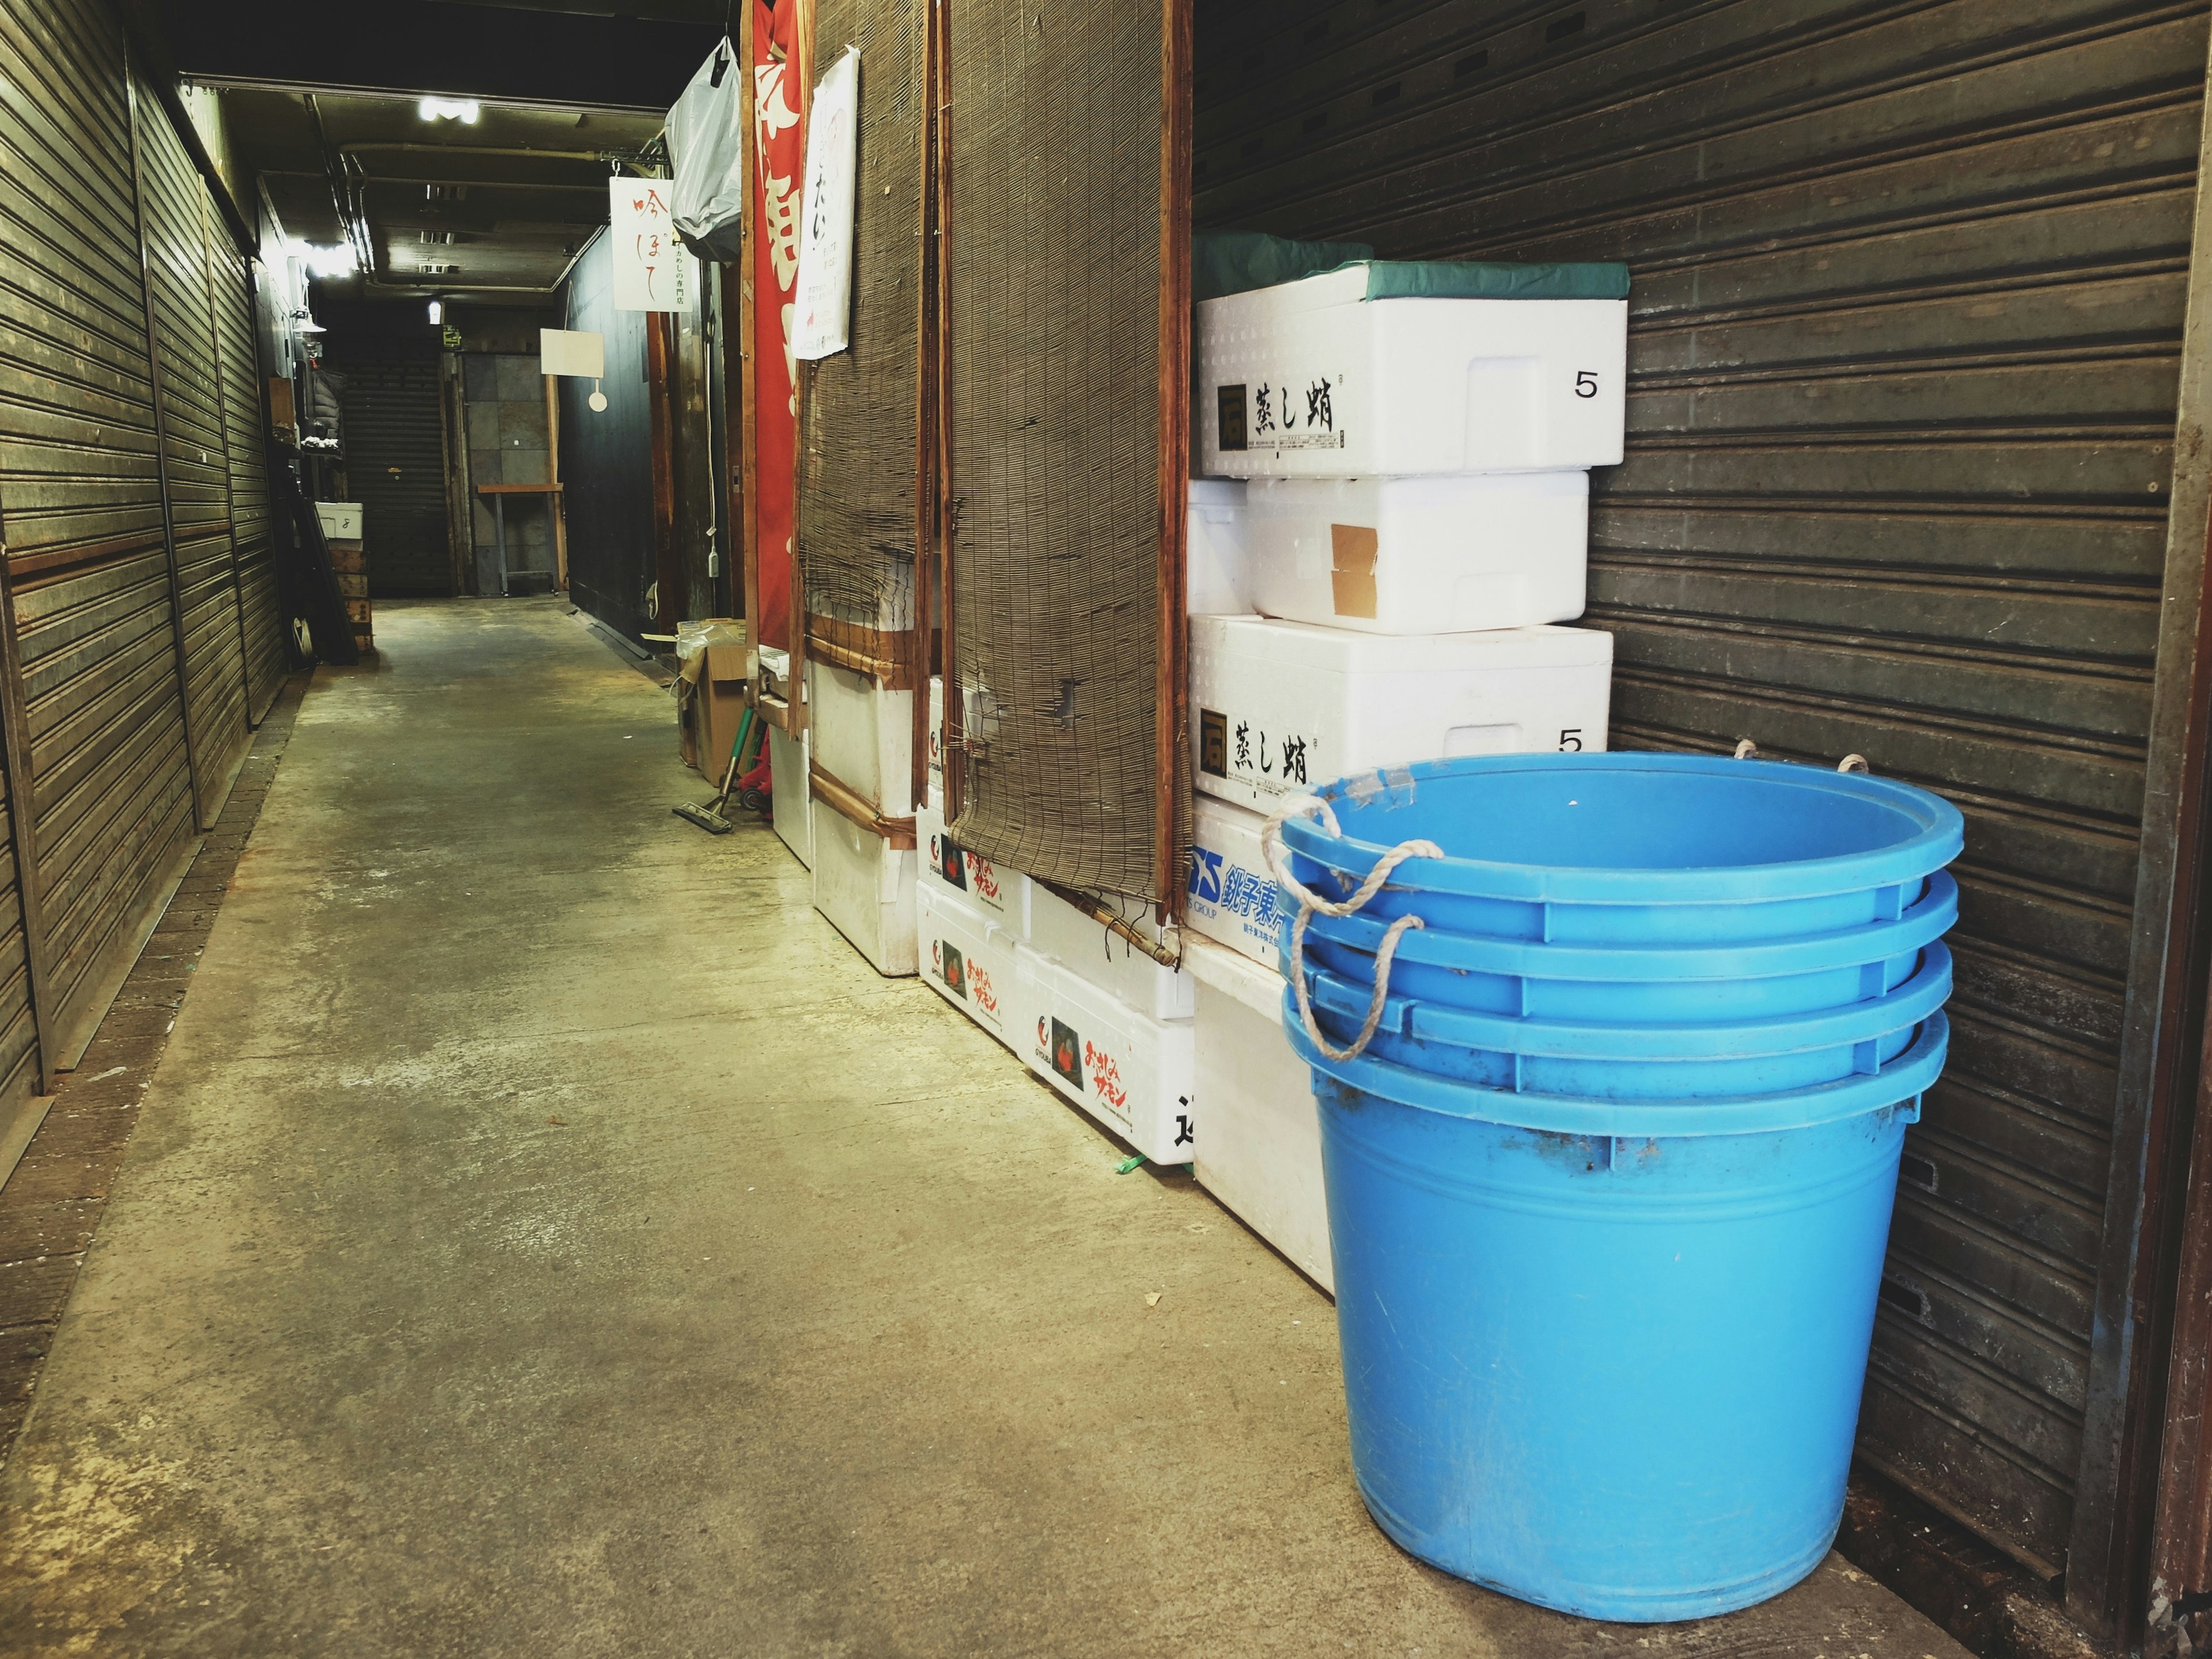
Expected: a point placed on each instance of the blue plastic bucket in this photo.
(1606, 1356)
(1531, 978)
(1634, 1060)
(1633, 849)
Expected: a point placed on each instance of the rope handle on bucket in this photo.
(1747, 749)
(1271, 850)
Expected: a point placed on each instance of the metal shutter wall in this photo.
(198, 466)
(245, 423)
(1053, 306)
(109, 804)
(1904, 345)
(395, 459)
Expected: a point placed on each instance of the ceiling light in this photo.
(336, 261)
(463, 110)
(437, 311)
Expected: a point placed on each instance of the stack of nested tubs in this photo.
(1610, 1185)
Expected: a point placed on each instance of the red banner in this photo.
(780, 149)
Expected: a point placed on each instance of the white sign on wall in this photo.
(824, 297)
(652, 271)
(572, 351)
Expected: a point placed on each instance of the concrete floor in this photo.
(544, 1236)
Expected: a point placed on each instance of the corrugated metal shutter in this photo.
(245, 425)
(190, 400)
(80, 495)
(395, 459)
(1905, 337)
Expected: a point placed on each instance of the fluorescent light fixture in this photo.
(463, 110)
(437, 311)
(336, 261)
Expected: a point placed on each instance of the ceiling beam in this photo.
(406, 48)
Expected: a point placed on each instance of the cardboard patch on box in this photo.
(1353, 549)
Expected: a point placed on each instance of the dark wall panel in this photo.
(1904, 336)
(607, 458)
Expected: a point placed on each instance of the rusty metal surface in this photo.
(197, 471)
(1904, 335)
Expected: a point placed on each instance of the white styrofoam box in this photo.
(341, 521)
(1087, 947)
(1004, 896)
(937, 742)
(792, 793)
(967, 959)
(1327, 384)
(865, 887)
(1217, 575)
(1420, 556)
(1279, 707)
(1260, 1154)
(1131, 1072)
(1233, 898)
(863, 736)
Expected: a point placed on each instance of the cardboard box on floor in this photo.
(712, 677)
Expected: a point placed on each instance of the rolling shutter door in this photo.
(395, 451)
(110, 805)
(191, 406)
(1905, 331)
(245, 423)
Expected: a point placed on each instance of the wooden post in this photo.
(556, 504)
(1172, 688)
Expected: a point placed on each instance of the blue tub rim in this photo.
(1901, 1082)
(1940, 840)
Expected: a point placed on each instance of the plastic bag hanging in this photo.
(706, 146)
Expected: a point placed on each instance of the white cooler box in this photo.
(1280, 708)
(1261, 1154)
(1420, 556)
(1233, 899)
(1003, 897)
(936, 742)
(864, 886)
(862, 736)
(1088, 948)
(1131, 1072)
(967, 960)
(1217, 563)
(792, 793)
(1312, 380)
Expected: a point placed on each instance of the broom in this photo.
(709, 818)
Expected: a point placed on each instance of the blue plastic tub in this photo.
(1606, 1356)
(1530, 978)
(1635, 1060)
(1634, 849)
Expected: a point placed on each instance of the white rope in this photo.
(1271, 847)
(1747, 749)
(1852, 764)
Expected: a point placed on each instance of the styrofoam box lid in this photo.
(1217, 968)
(1331, 288)
(1289, 648)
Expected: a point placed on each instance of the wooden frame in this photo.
(1171, 666)
(2146, 1467)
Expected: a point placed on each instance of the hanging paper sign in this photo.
(652, 270)
(572, 351)
(825, 245)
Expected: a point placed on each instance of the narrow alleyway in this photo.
(544, 1236)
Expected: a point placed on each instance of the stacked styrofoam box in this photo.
(861, 734)
(1260, 1155)
(1404, 494)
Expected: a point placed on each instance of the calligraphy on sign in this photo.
(652, 271)
(825, 248)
